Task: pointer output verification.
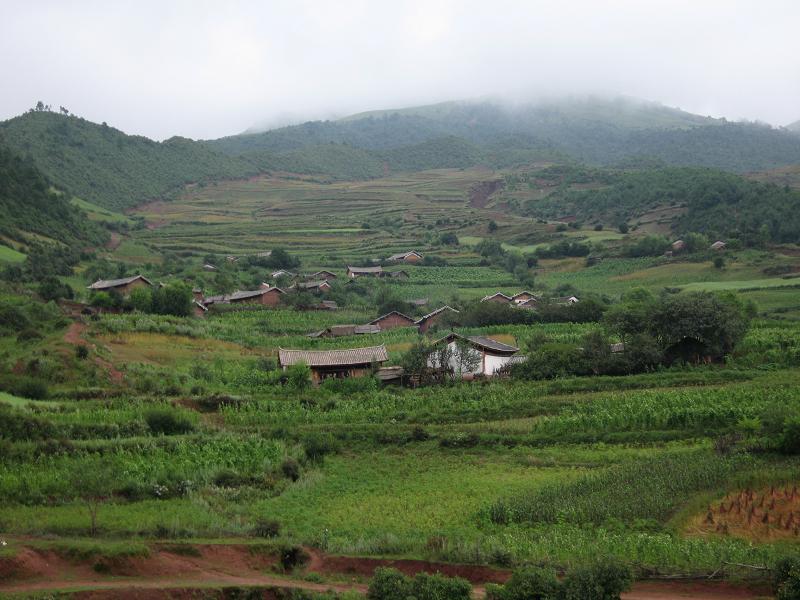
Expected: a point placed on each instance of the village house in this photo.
(282, 273)
(395, 274)
(208, 267)
(531, 304)
(489, 356)
(718, 245)
(564, 300)
(345, 330)
(197, 294)
(319, 275)
(328, 305)
(198, 308)
(678, 245)
(409, 257)
(392, 320)
(324, 364)
(355, 272)
(523, 296)
(313, 286)
(122, 286)
(266, 296)
(429, 320)
(498, 297)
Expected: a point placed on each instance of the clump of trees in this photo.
(697, 327)
(172, 299)
(391, 584)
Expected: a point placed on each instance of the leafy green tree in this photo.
(172, 299)
(530, 583)
(141, 299)
(51, 288)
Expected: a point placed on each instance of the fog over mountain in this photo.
(198, 70)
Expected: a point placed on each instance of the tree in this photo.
(51, 288)
(92, 484)
(141, 299)
(492, 227)
(415, 362)
(173, 299)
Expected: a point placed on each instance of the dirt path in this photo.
(114, 242)
(179, 571)
(74, 333)
(74, 336)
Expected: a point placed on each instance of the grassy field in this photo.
(10, 255)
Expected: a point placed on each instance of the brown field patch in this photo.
(763, 515)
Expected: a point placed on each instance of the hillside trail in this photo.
(178, 575)
(74, 337)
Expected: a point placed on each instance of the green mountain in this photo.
(29, 205)
(107, 167)
(591, 130)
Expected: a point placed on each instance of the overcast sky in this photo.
(208, 69)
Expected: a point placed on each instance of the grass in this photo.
(98, 213)
(10, 255)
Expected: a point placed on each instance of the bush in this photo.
(781, 571)
(439, 587)
(28, 334)
(291, 469)
(81, 352)
(790, 437)
(267, 528)
(28, 387)
(604, 580)
(789, 589)
(228, 478)
(165, 422)
(292, 557)
(317, 445)
(389, 584)
(532, 583)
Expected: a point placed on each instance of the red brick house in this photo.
(392, 320)
(499, 298)
(122, 286)
(429, 320)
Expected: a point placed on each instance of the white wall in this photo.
(488, 364)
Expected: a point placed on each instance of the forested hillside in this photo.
(600, 132)
(28, 204)
(710, 201)
(105, 166)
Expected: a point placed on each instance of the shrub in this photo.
(29, 387)
(267, 528)
(790, 437)
(317, 445)
(439, 587)
(789, 589)
(291, 469)
(532, 583)
(292, 557)
(781, 571)
(165, 422)
(603, 580)
(389, 584)
(82, 352)
(228, 478)
(28, 334)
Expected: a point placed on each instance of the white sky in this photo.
(205, 69)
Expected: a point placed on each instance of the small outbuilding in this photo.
(313, 286)
(718, 245)
(324, 364)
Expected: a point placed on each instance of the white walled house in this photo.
(489, 356)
